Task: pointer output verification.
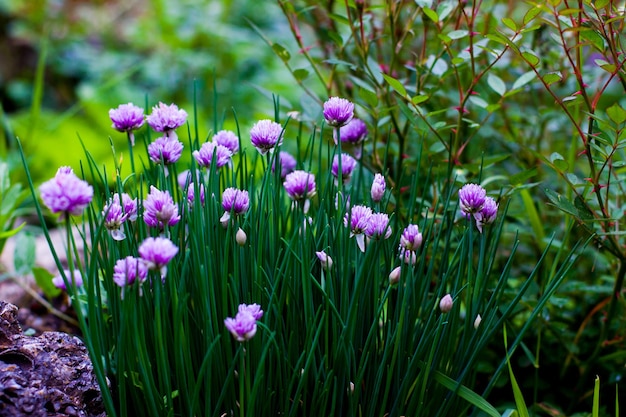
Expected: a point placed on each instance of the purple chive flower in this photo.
(253, 309)
(234, 202)
(227, 139)
(378, 226)
(157, 252)
(185, 178)
(128, 270)
(165, 149)
(58, 281)
(243, 327)
(408, 256)
(159, 209)
(129, 204)
(191, 194)
(66, 193)
(266, 135)
(325, 260)
(353, 133)
(300, 185)
(287, 163)
(126, 118)
(358, 220)
(114, 217)
(338, 111)
(471, 198)
(166, 118)
(487, 214)
(378, 188)
(204, 156)
(348, 164)
(411, 238)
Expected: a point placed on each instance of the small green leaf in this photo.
(607, 66)
(419, 99)
(593, 38)
(496, 84)
(369, 97)
(616, 113)
(510, 23)
(444, 9)
(395, 84)
(583, 209)
(601, 4)
(531, 14)
(561, 202)
(552, 77)
(524, 79)
(24, 254)
(555, 3)
(281, 52)
(43, 278)
(531, 58)
(8, 233)
(479, 102)
(457, 34)
(300, 74)
(432, 15)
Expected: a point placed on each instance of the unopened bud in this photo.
(241, 237)
(394, 276)
(351, 388)
(477, 321)
(325, 260)
(445, 305)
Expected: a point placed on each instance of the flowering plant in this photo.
(320, 318)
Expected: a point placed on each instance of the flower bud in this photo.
(477, 321)
(394, 276)
(445, 305)
(241, 237)
(325, 260)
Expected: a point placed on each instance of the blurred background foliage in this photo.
(98, 54)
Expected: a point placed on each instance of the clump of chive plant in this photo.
(175, 252)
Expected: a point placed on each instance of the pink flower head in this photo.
(243, 327)
(287, 163)
(348, 164)
(354, 132)
(191, 194)
(159, 209)
(338, 111)
(128, 270)
(59, 282)
(358, 220)
(471, 198)
(166, 118)
(378, 188)
(114, 217)
(266, 135)
(157, 252)
(165, 149)
(378, 226)
(128, 203)
(126, 118)
(234, 202)
(487, 214)
(253, 309)
(66, 193)
(300, 185)
(411, 238)
(186, 177)
(227, 139)
(204, 156)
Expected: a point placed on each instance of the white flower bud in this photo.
(445, 305)
(394, 276)
(241, 237)
(477, 321)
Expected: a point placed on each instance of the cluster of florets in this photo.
(474, 202)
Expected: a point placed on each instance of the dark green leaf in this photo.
(616, 113)
(281, 52)
(561, 202)
(531, 58)
(43, 278)
(300, 74)
(395, 84)
(552, 77)
(24, 253)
